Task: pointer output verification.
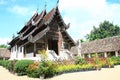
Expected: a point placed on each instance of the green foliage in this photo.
(6, 64)
(97, 61)
(80, 60)
(3, 46)
(21, 66)
(105, 29)
(116, 60)
(107, 62)
(81, 40)
(74, 68)
(110, 62)
(47, 68)
(33, 73)
(1, 62)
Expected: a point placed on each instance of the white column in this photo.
(116, 53)
(15, 51)
(83, 56)
(89, 56)
(47, 46)
(105, 54)
(79, 53)
(22, 49)
(19, 50)
(96, 55)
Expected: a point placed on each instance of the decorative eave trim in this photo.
(40, 35)
(35, 23)
(28, 22)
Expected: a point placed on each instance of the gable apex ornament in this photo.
(57, 2)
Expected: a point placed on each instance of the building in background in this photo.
(106, 47)
(4, 53)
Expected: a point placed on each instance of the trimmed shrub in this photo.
(116, 60)
(80, 61)
(1, 62)
(21, 66)
(6, 64)
(73, 68)
(47, 68)
(33, 71)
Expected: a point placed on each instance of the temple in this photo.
(43, 31)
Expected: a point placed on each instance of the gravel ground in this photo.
(104, 74)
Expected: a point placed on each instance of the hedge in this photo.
(21, 66)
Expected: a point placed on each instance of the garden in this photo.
(47, 69)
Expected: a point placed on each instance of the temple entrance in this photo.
(53, 45)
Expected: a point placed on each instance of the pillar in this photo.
(34, 50)
(16, 51)
(46, 42)
(22, 52)
(25, 51)
(96, 55)
(83, 56)
(116, 53)
(89, 56)
(105, 54)
(79, 52)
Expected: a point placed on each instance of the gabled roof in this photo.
(55, 11)
(38, 23)
(13, 42)
(25, 27)
(102, 45)
(49, 15)
(33, 21)
(34, 25)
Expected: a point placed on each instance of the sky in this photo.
(81, 14)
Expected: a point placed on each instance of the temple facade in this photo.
(44, 31)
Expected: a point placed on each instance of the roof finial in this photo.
(57, 2)
(13, 36)
(37, 9)
(45, 4)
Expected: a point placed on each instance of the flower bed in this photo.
(49, 69)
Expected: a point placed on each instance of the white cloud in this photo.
(84, 14)
(4, 40)
(20, 10)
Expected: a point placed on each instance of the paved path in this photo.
(104, 74)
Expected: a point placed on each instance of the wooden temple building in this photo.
(43, 31)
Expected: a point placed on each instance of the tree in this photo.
(3, 46)
(81, 40)
(105, 29)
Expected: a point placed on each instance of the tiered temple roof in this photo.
(38, 26)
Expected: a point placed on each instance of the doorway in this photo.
(53, 45)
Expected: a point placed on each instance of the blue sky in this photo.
(82, 15)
